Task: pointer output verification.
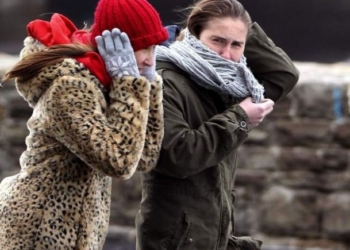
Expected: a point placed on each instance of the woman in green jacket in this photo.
(211, 102)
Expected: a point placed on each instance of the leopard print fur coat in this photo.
(77, 141)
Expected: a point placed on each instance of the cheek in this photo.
(211, 46)
(207, 43)
(214, 48)
(140, 58)
(236, 55)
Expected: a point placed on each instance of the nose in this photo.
(150, 59)
(225, 52)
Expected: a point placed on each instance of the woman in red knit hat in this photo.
(97, 114)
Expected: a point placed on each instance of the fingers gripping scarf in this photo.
(211, 71)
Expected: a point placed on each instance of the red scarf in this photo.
(60, 30)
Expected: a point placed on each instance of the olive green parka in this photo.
(187, 200)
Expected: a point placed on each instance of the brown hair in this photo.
(204, 10)
(30, 65)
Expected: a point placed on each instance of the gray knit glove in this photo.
(117, 52)
(150, 72)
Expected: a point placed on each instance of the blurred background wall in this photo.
(293, 182)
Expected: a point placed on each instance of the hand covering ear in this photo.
(116, 50)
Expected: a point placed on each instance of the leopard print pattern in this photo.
(76, 143)
(155, 127)
(31, 46)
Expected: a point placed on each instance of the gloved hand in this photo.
(117, 52)
(150, 72)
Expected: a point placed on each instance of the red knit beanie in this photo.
(137, 18)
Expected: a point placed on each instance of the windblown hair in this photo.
(205, 10)
(30, 65)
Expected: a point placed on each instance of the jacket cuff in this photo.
(243, 119)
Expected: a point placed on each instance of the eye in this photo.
(218, 40)
(150, 49)
(236, 44)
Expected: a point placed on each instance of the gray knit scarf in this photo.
(210, 70)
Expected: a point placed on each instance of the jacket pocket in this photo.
(179, 236)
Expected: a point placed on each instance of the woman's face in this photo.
(226, 36)
(144, 58)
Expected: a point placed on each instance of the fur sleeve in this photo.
(155, 127)
(31, 46)
(110, 141)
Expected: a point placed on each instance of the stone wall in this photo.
(293, 182)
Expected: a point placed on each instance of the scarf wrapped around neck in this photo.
(60, 30)
(209, 70)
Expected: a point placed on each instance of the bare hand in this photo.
(257, 111)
